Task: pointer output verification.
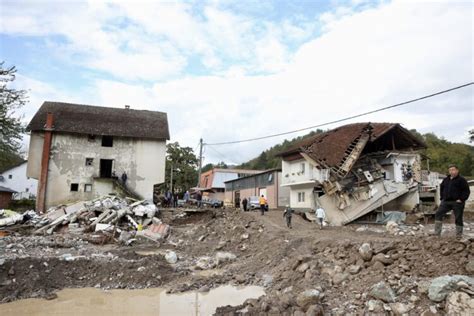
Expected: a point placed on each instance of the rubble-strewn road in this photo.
(304, 270)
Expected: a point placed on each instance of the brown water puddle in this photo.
(92, 301)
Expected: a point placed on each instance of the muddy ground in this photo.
(285, 261)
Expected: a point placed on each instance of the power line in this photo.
(343, 119)
(221, 155)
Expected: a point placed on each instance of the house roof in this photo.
(255, 174)
(98, 120)
(13, 166)
(332, 146)
(5, 189)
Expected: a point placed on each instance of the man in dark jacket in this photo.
(454, 192)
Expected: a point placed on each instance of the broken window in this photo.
(89, 161)
(88, 187)
(27, 190)
(106, 168)
(107, 141)
(303, 167)
(300, 196)
(74, 187)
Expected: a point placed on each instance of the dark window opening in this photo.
(91, 138)
(10, 176)
(107, 141)
(106, 168)
(89, 161)
(74, 187)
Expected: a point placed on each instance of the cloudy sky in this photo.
(230, 70)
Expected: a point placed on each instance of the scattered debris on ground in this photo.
(355, 269)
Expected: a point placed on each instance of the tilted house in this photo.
(79, 152)
(354, 169)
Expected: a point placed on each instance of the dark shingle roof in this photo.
(98, 120)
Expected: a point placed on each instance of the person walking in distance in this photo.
(244, 204)
(263, 204)
(321, 216)
(454, 191)
(287, 213)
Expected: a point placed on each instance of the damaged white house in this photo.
(353, 170)
(80, 152)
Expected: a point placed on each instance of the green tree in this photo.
(11, 127)
(184, 163)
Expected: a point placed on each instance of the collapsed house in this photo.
(80, 152)
(353, 170)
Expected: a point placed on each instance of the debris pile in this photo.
(105, 217)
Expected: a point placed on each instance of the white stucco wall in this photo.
(142, 160)
(25, 187)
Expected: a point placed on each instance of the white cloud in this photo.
(361, 61)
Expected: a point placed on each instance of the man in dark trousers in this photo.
(244, 204)
(454, 192)
(287, 214)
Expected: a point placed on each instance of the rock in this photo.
(11, 271)
(314, 310)
(442, 286)
(51, 296)
(171, 257)
(378, 265)
(459, 303)
(386, 260)
(303, 267)
(432, 311)
(267, 280)
(245, 236)
(366, 252)
(362, 229)
(400, 308)
(354, 269)
(224, 257)
(392, 227)
(2, 261)
(340, 277)
(308, 297)
(423, 286)
(205, 263)
(470, 266)
(140, 269)
(383, 292)
(299, 313)
(374, 306)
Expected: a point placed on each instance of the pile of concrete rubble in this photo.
(107, 217)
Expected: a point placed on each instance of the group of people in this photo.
(319, 212)
(262, 202)
(171, 199)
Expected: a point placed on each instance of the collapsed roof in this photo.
(339, 148)
(97, 120)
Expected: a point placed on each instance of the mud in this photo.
(285, 262)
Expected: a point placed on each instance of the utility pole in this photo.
(200, 162)
(171, 179)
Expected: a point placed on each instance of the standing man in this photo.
(287, 214)
(199, 199)
(124, 178)
(186, 197)
(244, 204)
(321, 216)
(263, 204)
(454, 192)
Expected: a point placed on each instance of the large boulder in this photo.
(366, 252)
(224, 257)
(459, 303)
(383, 292)
(442, 286)
(308, 297)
